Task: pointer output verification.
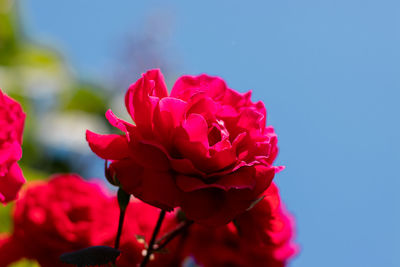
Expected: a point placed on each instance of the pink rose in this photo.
(11, 127)
(204, 148)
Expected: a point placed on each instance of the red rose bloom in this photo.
(68, 214)
(62, 215)
(204, 148)
(268, 229)
(11, 127)
(259, 237)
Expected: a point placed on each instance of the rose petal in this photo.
(185, 166)
(186, 86)
(122, 125)
(150, 155)
(15, 117)
(168, 115)
(203, 105)
(235, 99)
(159, 189)
(263, 176)
(200, 205)
(240, 179)
(151, 186)
(128, 173)
(11, 183)
(250, 119)
(196, 129)
(111, 146)
(191, 140)
(213, 206)
(143, 96)
(9, 153)
(227, 204)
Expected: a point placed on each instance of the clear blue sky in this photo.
(329, 74)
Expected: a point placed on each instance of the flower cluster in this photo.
(82, 214)
(199, 164)
(11, 127)
(66, 214)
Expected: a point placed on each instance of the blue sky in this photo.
(328, 72)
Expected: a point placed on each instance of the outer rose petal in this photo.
(154, 187)
(268, 227)
(250, 119)
(118, 123)
(9, 153)
(150, 156)
(214, 206)
(142, 98)
(111, 146)
(186, 167)
(186, 86)
(11, 183)
(167, 116)
(203, 105)
(15, 113)
(241, 179)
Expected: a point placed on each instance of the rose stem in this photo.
(123, 201)
(153, 238)
(165, 239)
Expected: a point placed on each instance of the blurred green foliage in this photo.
(8, 35)
(37, 77)
(85, 97)
(5, 224)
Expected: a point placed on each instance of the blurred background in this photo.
(327, 71)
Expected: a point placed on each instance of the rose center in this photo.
(217, 132)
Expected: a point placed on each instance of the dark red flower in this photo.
(68, 214)
(204, 148)
(11, 127)
(63, 215)
(261, 236)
